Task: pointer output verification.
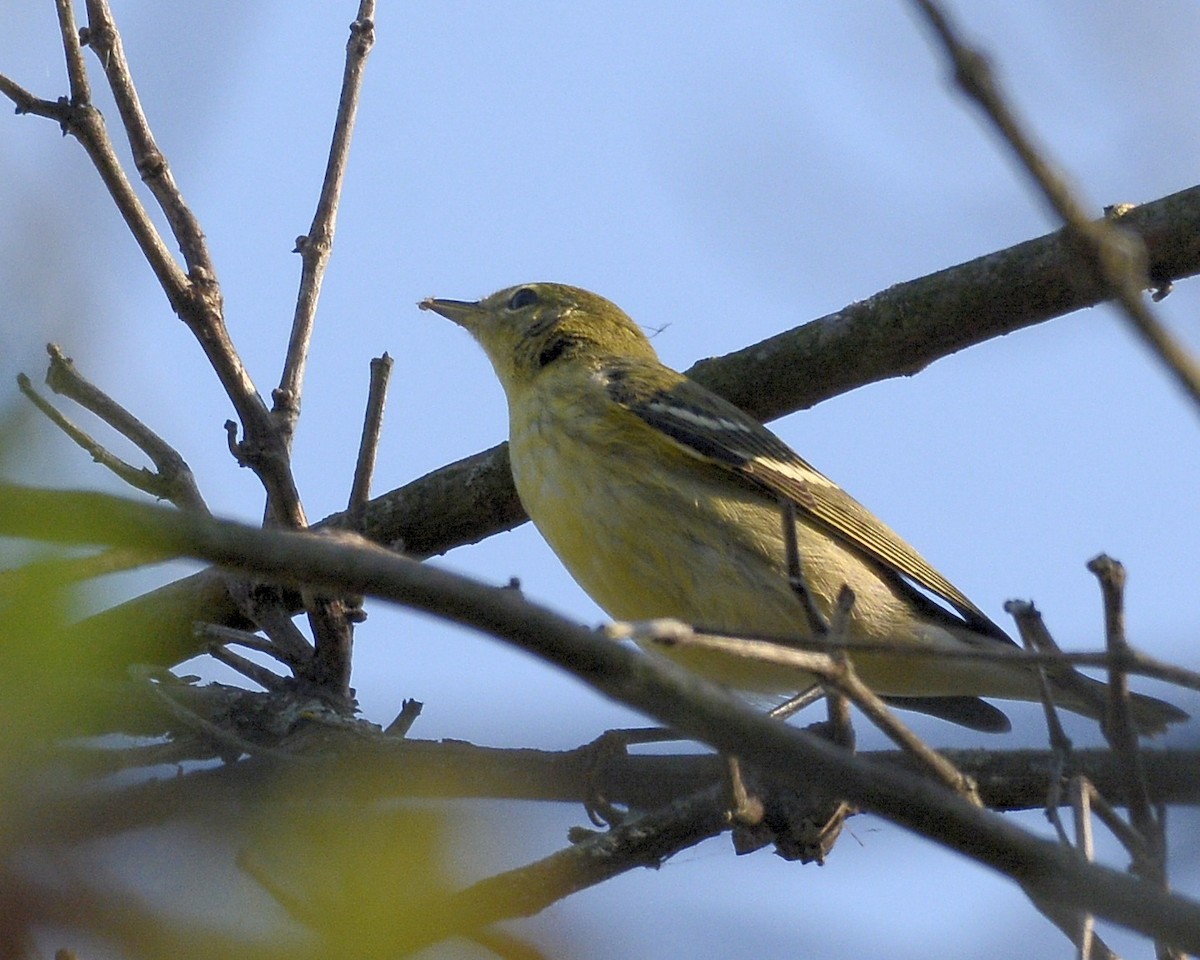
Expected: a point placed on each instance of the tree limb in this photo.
(684, 702)
(897, 332)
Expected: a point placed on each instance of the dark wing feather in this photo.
(710, 427)
(970, 712)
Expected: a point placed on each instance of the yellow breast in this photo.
(641, 546)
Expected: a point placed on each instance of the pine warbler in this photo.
(664, 500)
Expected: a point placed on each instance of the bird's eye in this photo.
(524, 297)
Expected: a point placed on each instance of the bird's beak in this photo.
(465, 313)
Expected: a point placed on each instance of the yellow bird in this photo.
(664, 500)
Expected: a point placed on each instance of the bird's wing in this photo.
(709, 427)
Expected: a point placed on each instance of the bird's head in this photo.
(528, 329)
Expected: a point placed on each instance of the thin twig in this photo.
(641, 841)
(263, 608)
(410, 709)
(1133, 662)
(81, 91)
(794, 705)
(1118, 726)
(315, 247)
(838, 714)
(368, 446)
(838, 675)
(137, 477)
(331, 619)
(1081, 808)
(84, 122)
(27, 102)
(1133, 842)
(247, 668)
(818, 626)
(364, 466)
(1113, 254)
(212, 633)
(1150, 857)
(64, 379)
(150, 161)
(1035, 637)
(176, 476)
(838, 706)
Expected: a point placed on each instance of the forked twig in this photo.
(174, 480)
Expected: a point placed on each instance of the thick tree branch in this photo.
(345, 764)
(1116, 262)
(897, 332)
(901, 330)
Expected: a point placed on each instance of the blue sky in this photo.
(725, 175)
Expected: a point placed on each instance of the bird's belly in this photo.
(644, 552)
(716, 559)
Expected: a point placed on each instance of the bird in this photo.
(664, 500)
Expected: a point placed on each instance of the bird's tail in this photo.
(1089, 697)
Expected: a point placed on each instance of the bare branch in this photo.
(645, 840)
(838, 673)
(364, 468)
(1150, 856)
(151, 163)
(1118, 726)
(229, 744)
(349, 764)
(897, 332)
(315, 247)
(1037, 640)
(84, 122)
(1111, 253)
(247, 668)
(27, 102)
(137, 477)
(81, 91)
(679, 700)
(409, 711)
(195, 296)
(263, 608)
(224, 636)
(174, 480)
